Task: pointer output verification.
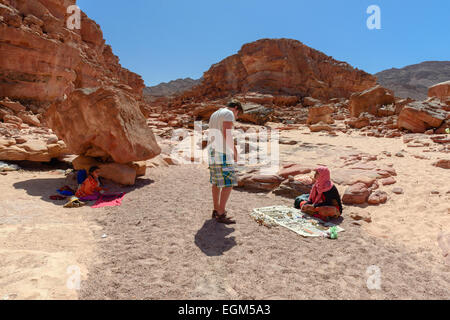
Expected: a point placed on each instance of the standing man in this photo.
(222, 158)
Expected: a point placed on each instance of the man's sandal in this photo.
(224, 219)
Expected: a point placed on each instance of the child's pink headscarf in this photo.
(323, 184)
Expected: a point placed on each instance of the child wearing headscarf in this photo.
(324, 200)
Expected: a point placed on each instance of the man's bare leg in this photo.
(216, 197)
(224, 196)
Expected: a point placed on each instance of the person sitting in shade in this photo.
(90, 189)
(324, 200)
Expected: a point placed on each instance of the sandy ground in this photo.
(162, 244)
(415, 218)
(42, 245)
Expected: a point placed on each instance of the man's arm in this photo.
(228, 137)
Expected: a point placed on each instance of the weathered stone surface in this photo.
(311, 102)
(321, 126)
(62, 59)
(388, 181)
(370, 100)
(359, 123)
(321, 113)
(418, 117)
(45, 63)
(444, 164)
(294, 187)
(377, 197)
(37, 150)
(356, 194)
(440, 90)
(255, 113)
(120, 173)
(29, 118)
(361, 216)
(397, 190)
(103, 122)
(12, 105)
(293, 170)
(259, 182)
(281, 67)
(204, 111)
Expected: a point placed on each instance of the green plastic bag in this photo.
(333, 233)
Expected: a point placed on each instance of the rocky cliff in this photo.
(281, 67)
(70, 80)
(41, 59)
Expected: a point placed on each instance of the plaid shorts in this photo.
(222, 175)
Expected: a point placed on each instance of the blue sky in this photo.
(164, 40)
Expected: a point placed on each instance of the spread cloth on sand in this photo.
(293, 219)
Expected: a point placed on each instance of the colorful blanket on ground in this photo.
(109, 201)
(294, 220)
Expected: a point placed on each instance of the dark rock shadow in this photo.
(45, 188)
(212, 238)
(53, 165)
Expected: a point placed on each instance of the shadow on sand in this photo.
(212, 238)
(45, 188)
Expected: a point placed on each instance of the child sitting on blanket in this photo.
(324, 201)
(90, 188)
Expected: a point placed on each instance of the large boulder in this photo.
(441, 91)
(103, 122)
(320, 113)
(259, 182)
(370, 101)
(418, 117)
(360, 122)
(356, 194)
(120, 173)
(295, 186)
(255, 113)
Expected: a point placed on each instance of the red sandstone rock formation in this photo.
(281, 67)
(43, 63)
(441, 91)
(418, 117)
(103, 122)
(41, 59)
(370, 101)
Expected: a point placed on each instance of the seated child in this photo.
(90, 188)
(324, 201)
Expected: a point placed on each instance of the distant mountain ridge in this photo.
(171, 88)
(413, 81)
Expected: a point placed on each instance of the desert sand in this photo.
(162, 244)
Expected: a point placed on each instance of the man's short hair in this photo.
(235, 104)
